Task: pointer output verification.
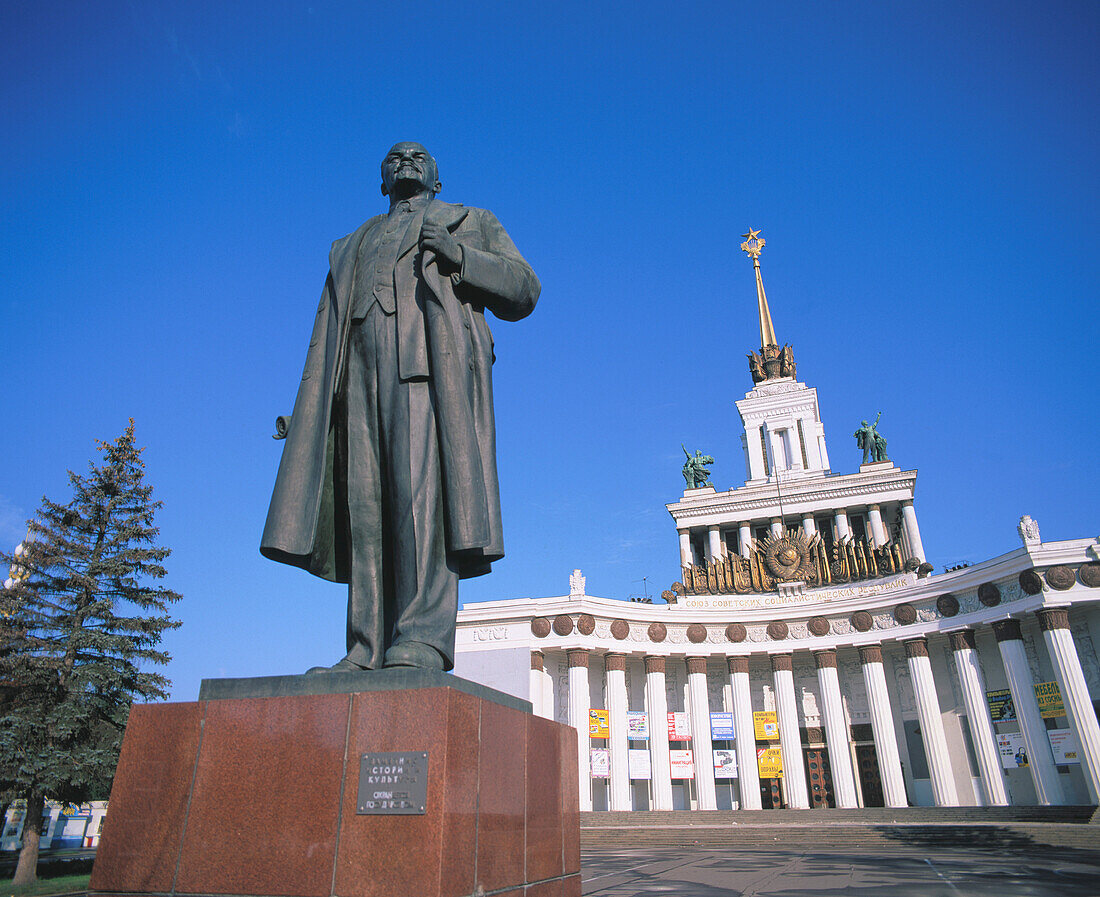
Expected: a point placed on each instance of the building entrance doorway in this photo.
(819, 777)
(771, 797)
(869, 781)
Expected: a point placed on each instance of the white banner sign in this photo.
(637, 728)
(683, 766)
(1012, 750)
(725, 765)
(1064, 746)
(637, 762)
(601, 763)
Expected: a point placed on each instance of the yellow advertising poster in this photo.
(1050, 700)
(597, 724)
(766, 725)
(770, 762)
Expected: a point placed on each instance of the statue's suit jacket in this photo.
(449, 343)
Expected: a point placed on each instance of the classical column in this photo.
(777, 527)
(535, 683)
(840, 756)
(656, 706)
(615, 665)
(700, 733)
(748, 771)
(1048, 787)
(790, 739)
(744, 539)
(982, 733)
(878, 531)
(686, 558)
(580, 702)
(912, 531)
(931, 723)
(808, 525)
(882, 725)
(843, 530)
(714, 543)
(1075, 693)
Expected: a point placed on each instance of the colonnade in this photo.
(1053, 622)
(715, 548)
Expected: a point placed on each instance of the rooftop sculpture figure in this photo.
(695, 470)
(388, 477)
(871, 441)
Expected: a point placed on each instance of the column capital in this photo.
(916, 647)
(825, 659)
(655, 665)
(962, 639)
(578, 657)
(683, 530)
(614, 661)
(906, 502)
(1007, 630)
(870, 654)
(873, 508)
(536, 660)
(738, 663)
(1051, 618)
(781, 662)
(697, 665)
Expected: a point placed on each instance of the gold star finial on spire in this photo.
(753, 244)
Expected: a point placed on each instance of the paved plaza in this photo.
(902, 872)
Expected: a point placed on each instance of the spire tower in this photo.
(772, 362)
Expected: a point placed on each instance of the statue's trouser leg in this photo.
(402, 587)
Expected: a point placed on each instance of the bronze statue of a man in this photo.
(388, 477)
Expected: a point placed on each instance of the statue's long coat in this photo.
(450, 343)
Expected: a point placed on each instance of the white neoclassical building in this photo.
(808, 656)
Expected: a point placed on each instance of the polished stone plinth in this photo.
(252, 791)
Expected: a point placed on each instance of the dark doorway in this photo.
(869, 781)
(819, 777)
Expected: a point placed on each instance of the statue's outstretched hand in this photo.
(438, 239)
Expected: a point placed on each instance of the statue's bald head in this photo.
(409, 169)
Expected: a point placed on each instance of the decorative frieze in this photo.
(657, 632)
(563, 624)
(905, 614)
(540, 627)
(620, 629)
(1031, 582)
(948, 605)
(586, 624)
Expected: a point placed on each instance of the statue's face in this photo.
(411, 163)
(863, 422)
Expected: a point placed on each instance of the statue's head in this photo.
(409, 169)
(863, 423)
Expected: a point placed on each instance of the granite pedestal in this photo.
(252, 790)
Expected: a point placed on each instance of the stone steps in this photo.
(995, 827)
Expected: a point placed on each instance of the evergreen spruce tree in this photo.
(80, 627)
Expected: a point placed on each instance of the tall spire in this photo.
(752, 245)
(772, 363)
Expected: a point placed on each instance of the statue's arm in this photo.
(494, 274)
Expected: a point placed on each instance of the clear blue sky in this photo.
(926, 176)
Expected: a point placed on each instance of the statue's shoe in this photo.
(341, 666)
(413, 654)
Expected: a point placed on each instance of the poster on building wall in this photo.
(637, 763)
(1050, 700)
(766, 725)
(683, 766)
(770, 763)
(721, 726)
(597, 724)
(637, 727)
(1001, 707)
(1010, 745)
(678, 727)
(725, 765)
(601, 763)
(1064, 746)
